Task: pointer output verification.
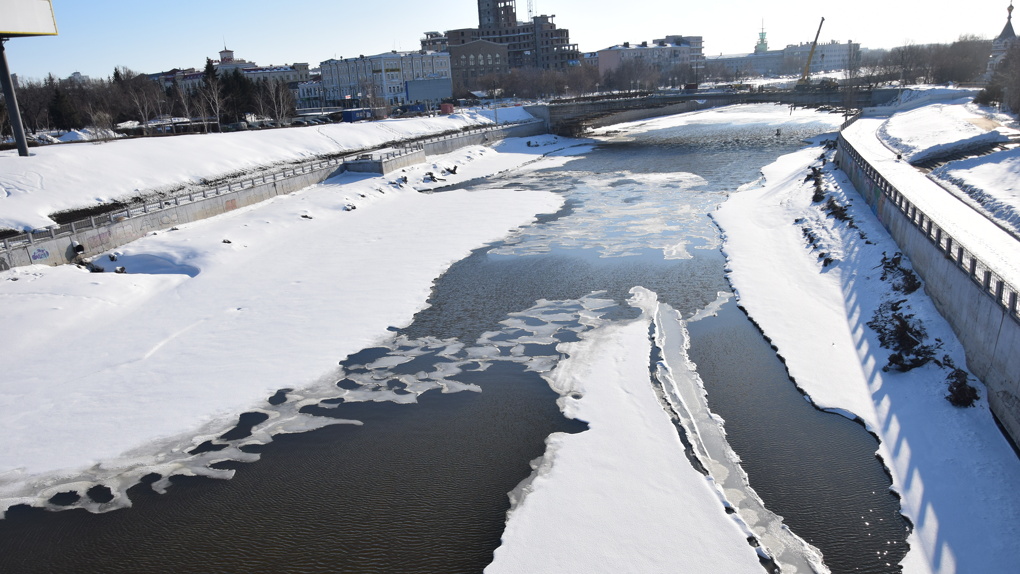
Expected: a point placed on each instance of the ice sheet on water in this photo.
(539, 326)
(623, 214)
(380, 378)
(680, 392)
(684, 390)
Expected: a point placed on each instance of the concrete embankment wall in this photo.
(114, 230)
(979, 305)
(95, 235)
(447, 144)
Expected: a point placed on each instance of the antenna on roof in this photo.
(531, 9)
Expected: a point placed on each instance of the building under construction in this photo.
(536, 42)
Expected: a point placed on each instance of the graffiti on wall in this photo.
(40, 254)
(157, 221)
(96, 242)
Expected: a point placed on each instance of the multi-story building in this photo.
(662, 54)
(435, 42)
(386, 79)
(533, 43)
(191, 78)
(310, 94)
(828, 57)
(472, 62)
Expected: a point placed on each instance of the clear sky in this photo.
(154, 35)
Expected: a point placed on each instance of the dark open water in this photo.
(422, 487)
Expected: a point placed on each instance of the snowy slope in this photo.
(937, 129)
(112, 374)
(953, 468)
(991, 181)
(61, 177)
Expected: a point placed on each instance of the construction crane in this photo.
(804, 82)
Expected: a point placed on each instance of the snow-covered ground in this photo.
(108, 374)
(968, 227)
(112, 376)
(991, 183)
(60, 177)
(953, 468)
(936, 129)
(621, 496)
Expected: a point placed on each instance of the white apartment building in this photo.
(310, 94)
(662, 54)
(392, 78)
(828, 57)
(191, 78)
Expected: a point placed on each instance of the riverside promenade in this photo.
(971, 266)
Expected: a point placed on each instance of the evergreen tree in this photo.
(63, 113)
(209, 77)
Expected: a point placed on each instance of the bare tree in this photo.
(34, 100)
(276, 99)
(213, 101)
(184, 98)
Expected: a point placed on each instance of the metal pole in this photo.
(12, 102)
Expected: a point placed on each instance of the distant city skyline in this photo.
(149, 37)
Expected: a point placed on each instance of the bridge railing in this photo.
(142, 208)
(981, 273)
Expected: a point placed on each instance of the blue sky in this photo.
(151, 36)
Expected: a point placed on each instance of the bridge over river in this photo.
(573, 117)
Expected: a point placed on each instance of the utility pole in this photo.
(12, 102)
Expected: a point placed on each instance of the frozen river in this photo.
(423, 487)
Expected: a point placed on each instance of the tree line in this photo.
(128, 96)
(103, 104)
(962, 61)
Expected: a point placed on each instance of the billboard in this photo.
(27, 18)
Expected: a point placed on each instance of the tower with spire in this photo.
(762, 46)
(1002, 44)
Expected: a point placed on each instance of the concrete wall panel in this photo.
(990, 335)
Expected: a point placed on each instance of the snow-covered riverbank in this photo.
(953, 468)
(72, 176)
(107, 375)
